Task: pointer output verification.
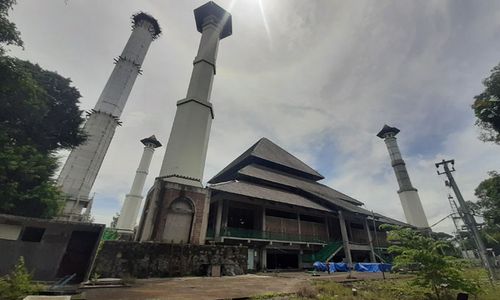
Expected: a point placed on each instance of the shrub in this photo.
(18, 283)
(433, 269)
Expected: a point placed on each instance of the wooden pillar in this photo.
(370, 241)
(218, 220)
(345, 239)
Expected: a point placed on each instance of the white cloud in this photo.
(333, 73)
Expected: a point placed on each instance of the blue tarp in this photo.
(360, 267)
(372, 267)
(334, 267)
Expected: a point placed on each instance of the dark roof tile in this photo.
(267, 152)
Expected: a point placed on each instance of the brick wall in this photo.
(151, 259)
(200, 199)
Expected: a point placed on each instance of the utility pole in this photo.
(468, 218)
(455, 216)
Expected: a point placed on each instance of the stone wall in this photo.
(152, 259)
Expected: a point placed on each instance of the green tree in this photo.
(9, 35)
(39, 115)
(487, 108)
(424, 255)
(488, 193)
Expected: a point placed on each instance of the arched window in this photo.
(179, 221)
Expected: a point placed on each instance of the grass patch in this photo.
(273, 295)
(393, 289)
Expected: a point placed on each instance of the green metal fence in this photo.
(210, 233)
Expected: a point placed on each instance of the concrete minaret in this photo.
(186, 151)
(176, 208)
(80, 170)
(132, 203)
(408, 195)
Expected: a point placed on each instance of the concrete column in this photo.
(225, 212)
(184, 159)
(327, 228)
(80, 170)
(263, 261)
(370, 242)
(132, 203)
(345, 239)
(218, 219)
(298, 220)
(263, 218)
(408, 195)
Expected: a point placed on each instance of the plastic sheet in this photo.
(372, 267)
(334, 267)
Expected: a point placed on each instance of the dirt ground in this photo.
(233, 287)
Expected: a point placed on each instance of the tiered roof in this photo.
(266, 171)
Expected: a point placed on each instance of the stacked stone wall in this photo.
(152, 259)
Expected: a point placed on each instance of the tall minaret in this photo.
(132, 203)
(412, 207)
(178, 193)
(80, 170)
(184, 159)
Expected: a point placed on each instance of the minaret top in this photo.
(151, 140)
(212, 9)
(386, 131)
(155, 30)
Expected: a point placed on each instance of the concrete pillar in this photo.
(263, 218)
(132, 203)
(345, 239)
(327, 229)
(299, 226)
(218, 218)
(370, 242)
(80, 170)
(185, 155)
(263, 260)
(408, 195)
(225, 212)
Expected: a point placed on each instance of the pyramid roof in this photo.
(267, 153)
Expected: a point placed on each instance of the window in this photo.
(32, 234)
(10, 232)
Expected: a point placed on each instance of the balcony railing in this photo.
(267, 235)
(210, 233)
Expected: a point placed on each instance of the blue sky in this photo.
(319, 78)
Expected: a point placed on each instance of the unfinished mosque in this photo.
(266, 199)
(272, 202)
